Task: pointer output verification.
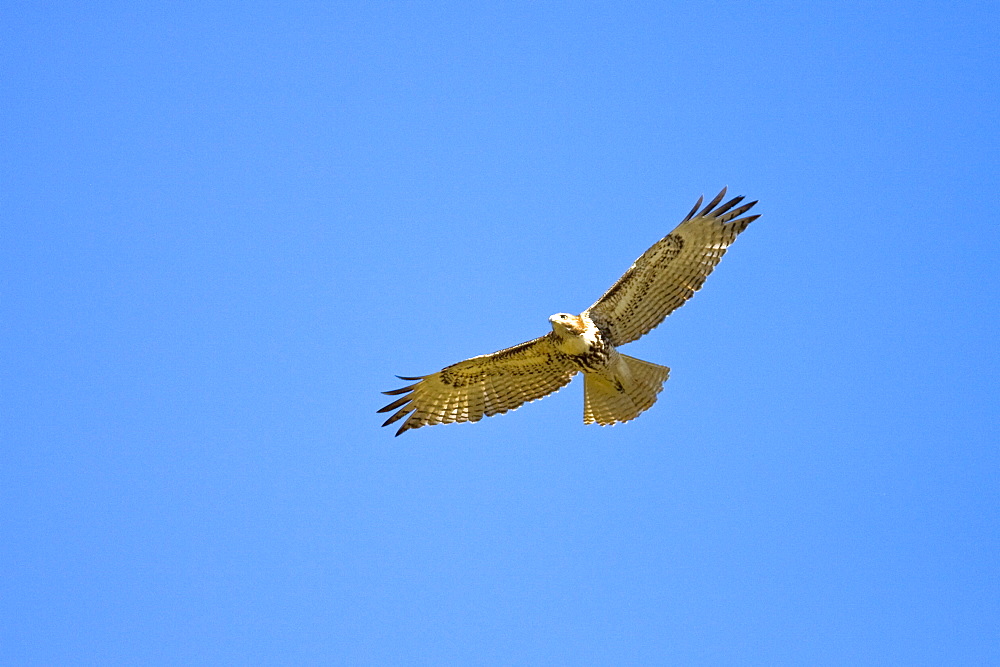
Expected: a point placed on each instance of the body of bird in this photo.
(617, 387)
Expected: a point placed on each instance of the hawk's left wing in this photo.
(485, 385)
(670, 272)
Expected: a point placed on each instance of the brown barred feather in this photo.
(669, 273)
(485, 385)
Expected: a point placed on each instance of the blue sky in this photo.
(225, 227)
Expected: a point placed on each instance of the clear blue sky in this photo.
(225, 227)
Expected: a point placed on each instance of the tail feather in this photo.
(634, 390)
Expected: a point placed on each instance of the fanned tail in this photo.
(608, 401)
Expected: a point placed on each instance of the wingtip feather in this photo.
(712, 204)
(406, 426)
(720, 210)
(695, 209)
(402, 390)
(402, 412)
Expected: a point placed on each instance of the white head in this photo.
(567, 325)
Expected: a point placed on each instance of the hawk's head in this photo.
(567, 325)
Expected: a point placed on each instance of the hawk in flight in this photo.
(616, 387)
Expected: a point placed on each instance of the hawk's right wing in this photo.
(485, 385)
(670, 272)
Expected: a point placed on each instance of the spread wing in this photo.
(670, 272)
(485, 385)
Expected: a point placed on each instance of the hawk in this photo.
(617, 387)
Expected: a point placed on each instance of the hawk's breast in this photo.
(589, 350)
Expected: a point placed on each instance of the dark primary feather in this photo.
(695, 209)
(396, 392)
(710, 205)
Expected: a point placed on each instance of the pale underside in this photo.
(659, 282)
